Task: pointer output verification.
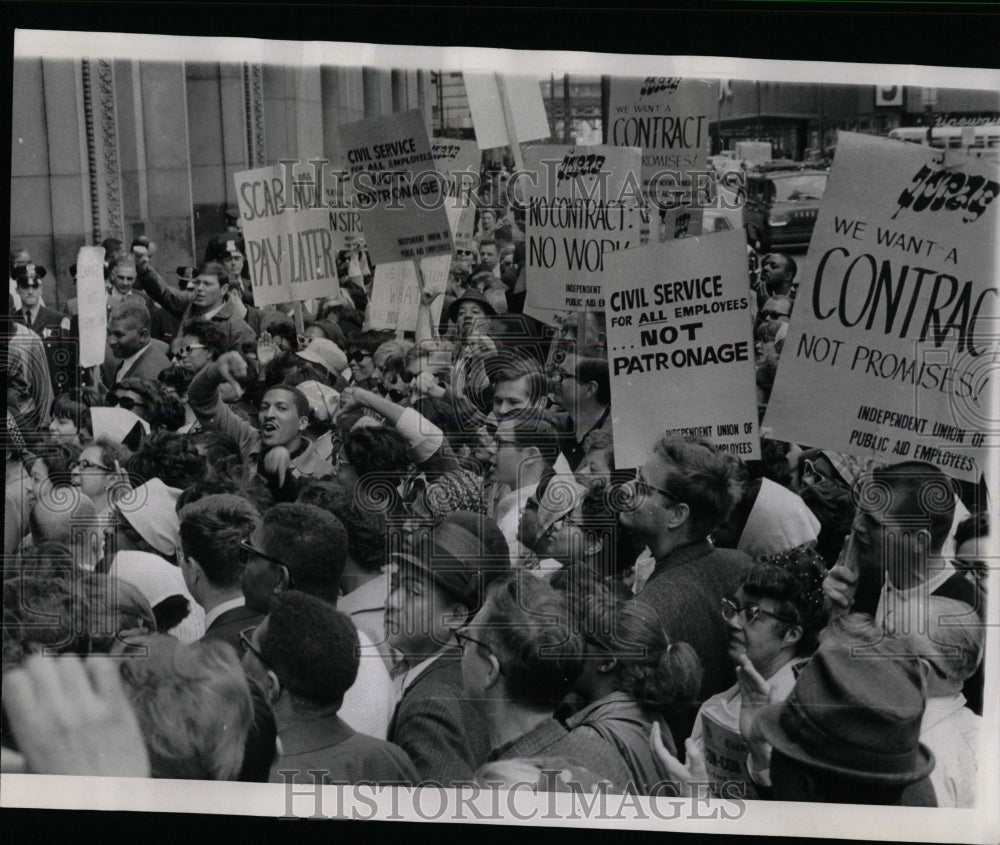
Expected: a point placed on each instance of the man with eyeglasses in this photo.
(136, 354)
(304, 656)
(584, 391)
(303, 547)
(681, 493)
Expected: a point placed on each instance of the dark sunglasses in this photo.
(247, 551)
(126, 402)
(358, 355)
(406, 376)
(245, 640)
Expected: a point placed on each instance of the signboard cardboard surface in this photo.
(397, 186)
(584, 204)
(890, 347)
(526, 108)
(291, 243)
(92, 304)
(680, 345)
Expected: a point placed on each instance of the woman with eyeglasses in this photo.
(774, 623)
(148, 400)
(361, 357)
(97, 472)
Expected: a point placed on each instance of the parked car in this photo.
(781, 206)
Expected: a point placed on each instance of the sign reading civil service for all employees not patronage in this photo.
(397, 186)
(680, 345)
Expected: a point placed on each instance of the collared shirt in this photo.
(128, 362)
(404, 680)
(892, 602)
(31, 314)
(219, 609)
(508, 517)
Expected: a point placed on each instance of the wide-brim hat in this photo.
(452, 553)
(853, 716)
(471, 295)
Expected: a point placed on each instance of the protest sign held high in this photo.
(679, 326)
(458, 162)
(668, 118)
(396, 292)
(91, 300)
(524, 99)
(291, 244)
(584, 204)
(398, 188)
(898, 321)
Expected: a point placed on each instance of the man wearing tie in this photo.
(42, 320)
(50, 325)
(136, 355)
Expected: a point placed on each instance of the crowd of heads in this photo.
(284, 461)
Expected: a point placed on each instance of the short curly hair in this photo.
(311, 646)
(793, 578)
(171, 457)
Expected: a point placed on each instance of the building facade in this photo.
(796, 117)
(125, 148)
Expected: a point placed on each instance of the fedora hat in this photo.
(854, 716)
(456, 553)
(471, 295)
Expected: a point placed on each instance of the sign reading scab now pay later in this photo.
(680, 345)
(291, 245)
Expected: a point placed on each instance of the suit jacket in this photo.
(328, 745)
(438, 726)
(150, 364)
(227, 626)
(47, 318)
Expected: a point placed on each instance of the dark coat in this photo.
(227, 626)
(328, 745)
(151, 363)
(686, 589)
(438, 726)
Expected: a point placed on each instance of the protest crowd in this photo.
(322, 550)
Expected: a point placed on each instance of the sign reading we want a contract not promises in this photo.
(892, 345)
(680, 345)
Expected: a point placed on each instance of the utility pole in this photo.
(567, 134)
